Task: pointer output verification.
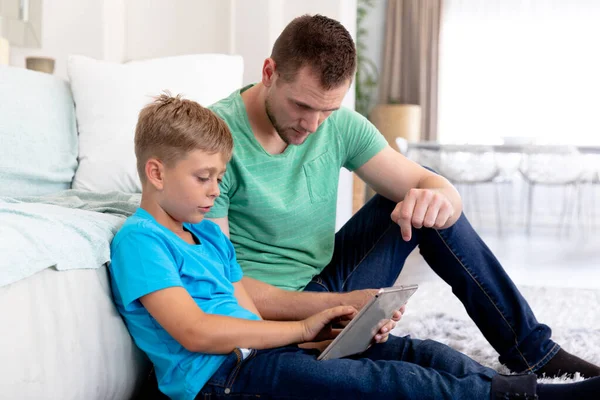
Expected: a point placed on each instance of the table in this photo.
(500, 148)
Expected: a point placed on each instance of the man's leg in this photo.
(367, 252)
(370, 253)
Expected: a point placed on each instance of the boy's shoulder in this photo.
(138, 224)
(210, 231)
(143, 224)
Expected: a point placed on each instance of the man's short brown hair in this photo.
(320, 42)
(170, 127)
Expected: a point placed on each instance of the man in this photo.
(278, 204)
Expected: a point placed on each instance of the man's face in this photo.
(192, 185)
(296, 109)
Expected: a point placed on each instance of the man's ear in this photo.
(155, 172)
(268, 72)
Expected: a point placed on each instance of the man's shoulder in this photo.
(345, 114)
(226, 108)
(341, 120)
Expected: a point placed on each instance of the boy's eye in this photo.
(202, 179)
(219, 180)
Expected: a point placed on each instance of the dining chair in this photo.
(551, 165)
(467, 167)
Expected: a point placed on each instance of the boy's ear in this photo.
(154, 173)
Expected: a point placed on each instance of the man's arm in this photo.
(223, 224)
(286, 305)
(244, 299)
(277, 304)
(424, 198)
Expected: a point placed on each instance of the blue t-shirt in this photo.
(147, 257)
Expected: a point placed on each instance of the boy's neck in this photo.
(152, 207)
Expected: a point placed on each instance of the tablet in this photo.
(357, 336)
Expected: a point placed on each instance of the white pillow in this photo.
(109, 96)
(38, 137)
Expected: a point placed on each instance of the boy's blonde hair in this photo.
(170, 127)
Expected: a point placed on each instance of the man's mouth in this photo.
(300, 132)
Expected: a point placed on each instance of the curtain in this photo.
(410, 65)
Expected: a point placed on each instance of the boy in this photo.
(177, 284)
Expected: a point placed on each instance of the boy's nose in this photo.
(214, 190)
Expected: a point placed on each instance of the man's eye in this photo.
(201, 179)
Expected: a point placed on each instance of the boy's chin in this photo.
(196, 218)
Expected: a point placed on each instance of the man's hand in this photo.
(358, 298)
(428, 208)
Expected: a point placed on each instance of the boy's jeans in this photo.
(428, 370)
(370, 253)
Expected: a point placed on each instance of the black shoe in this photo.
(566, 363)
(509, 387)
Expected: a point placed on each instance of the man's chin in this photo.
(296, 139)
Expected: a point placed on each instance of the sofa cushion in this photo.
(109, 97)
(38, 136)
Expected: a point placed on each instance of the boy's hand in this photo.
(318, 327)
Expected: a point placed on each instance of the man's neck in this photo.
(255, 102)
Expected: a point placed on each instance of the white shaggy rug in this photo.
(573, 314)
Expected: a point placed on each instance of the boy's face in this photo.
(191, 185)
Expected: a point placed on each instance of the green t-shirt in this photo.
(282, 207)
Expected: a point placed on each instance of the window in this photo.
(527, 68)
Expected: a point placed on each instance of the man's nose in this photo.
(310, 122)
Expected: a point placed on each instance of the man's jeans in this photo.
(370, 253)
(428, 370)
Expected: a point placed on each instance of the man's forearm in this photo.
(285, 305)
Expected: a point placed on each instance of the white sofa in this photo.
(61, 336)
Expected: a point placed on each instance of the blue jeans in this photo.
(401, 368)
(370, 253)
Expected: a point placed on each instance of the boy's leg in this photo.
(370, 253)
(430, 371)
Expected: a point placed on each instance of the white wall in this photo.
(159, 28)
(68, 26)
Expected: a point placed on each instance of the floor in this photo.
(539, 260)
